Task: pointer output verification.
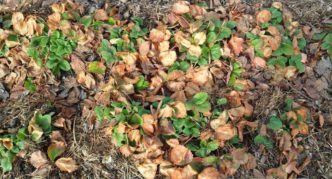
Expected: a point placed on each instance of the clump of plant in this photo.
(10, 145)
(292, 120)
(52, 50)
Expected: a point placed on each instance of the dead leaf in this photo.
(38, 159)
(66, 164)
(168, 58)
(180, 109)
(225, 132)
(180, 155)
(54, 20)
(101, 15)
(209, 173)
(181, 7)
(236, 43)
(157, 35)
(263, 16)
(148, 170)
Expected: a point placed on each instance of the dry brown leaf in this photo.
(54, 20)
(263, 16)
(168, 58)
(180, 155)
(148, 124)
(199, 38)
(7, 143)
(195, 50)
(101, 15)
(157, 35)
(148, 170)
(259, 62)
(66, 164)
(225, 132)
(240, 156)
(38, 159)
(236, 43)
(181, 7)
(180, 109)
(209, 173)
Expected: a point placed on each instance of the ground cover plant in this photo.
(178, 99)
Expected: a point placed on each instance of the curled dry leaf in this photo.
(259, 62)
(181, 7)
(199, 38)
(166, 112)
(101, 15)
(148, 170)
(66, 164)
(240, 156)
(7, 143)
(195, 50)
(180, 155)
(225, 132)
(209, 173)
(54, 20)
(148, 124)
(157, 35)
(236, 43)
(168, 58)
(180, 109)
(263, 16)
(38, 159)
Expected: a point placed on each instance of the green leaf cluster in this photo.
(204, 147)
(264, 140)
(142, 83)
(7, 155)
(285, 55)
(236, 72)
(199, 103)
(188, 126)
(29, 85)
(53, 49)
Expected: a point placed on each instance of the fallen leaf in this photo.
(209, 173)
(225, 132)
(38, 159)
(148, 170)
(168, 58)
(66, 164)
(236, 43)
(180, 7)
(263, 16)
(101, 15)
(180, 155)
(157, 35)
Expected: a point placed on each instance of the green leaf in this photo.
(142, 84)
(289, 104)
(86, 21)
(327, 44)
(6, 164)
(222, 101)
(295, 60)
(211, 37)
(64, 65)
(319, 36)
(225, 33)
(29, 85)
(136, 119)
(231, 24)
(55, 150)
(21, 134)
(96, 67)
(99, 110)
(267, 142)
(118, 138)
(215, 52)
(274, 123)
(44, 121)
(184, 66)
(200, 98)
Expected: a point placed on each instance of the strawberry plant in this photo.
(199, 103)
(53, 50)
(11, 144)
(203, 148)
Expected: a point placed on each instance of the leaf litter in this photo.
(150, 90)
